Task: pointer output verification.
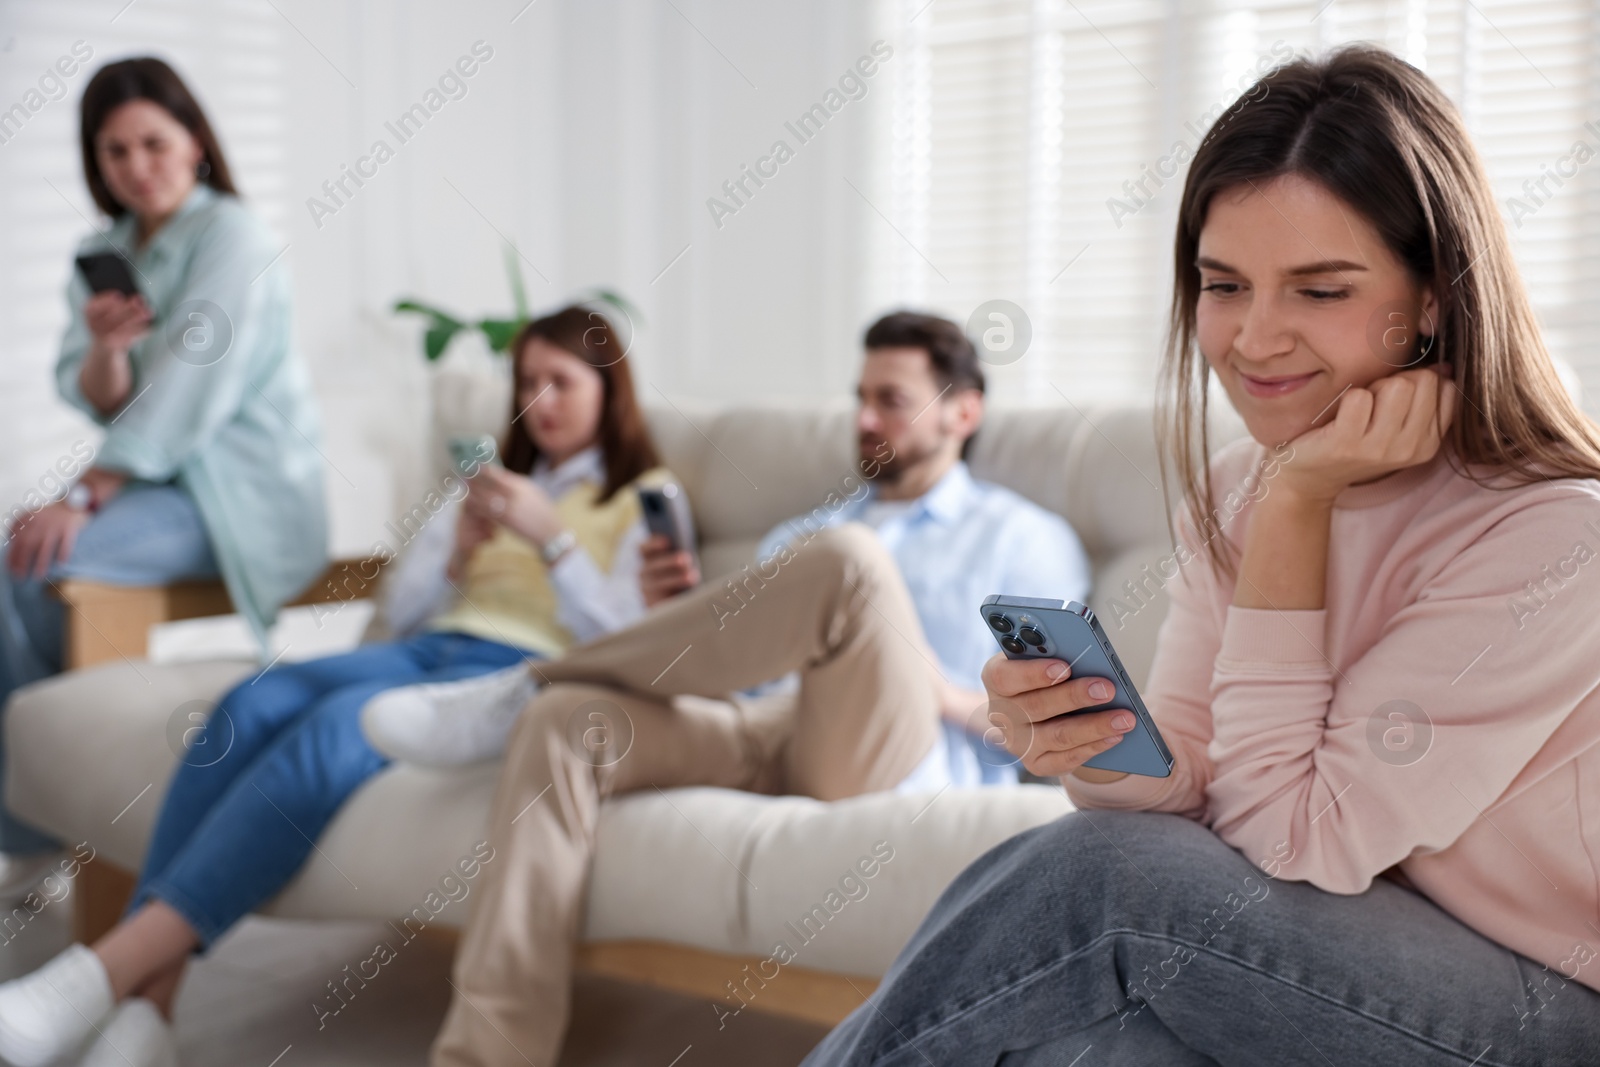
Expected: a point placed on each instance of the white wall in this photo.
(592, 139)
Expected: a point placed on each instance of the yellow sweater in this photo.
(506, 591)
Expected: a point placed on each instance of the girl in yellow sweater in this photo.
(546, 554)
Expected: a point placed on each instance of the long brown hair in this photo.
(144, 79)
(1378, 134)
(625, 444)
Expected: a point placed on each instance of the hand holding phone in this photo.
(667, 565)
(664, 571)
(1069, 699)
(116, 322)
(514, 501)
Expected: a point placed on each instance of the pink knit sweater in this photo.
(1440, 714)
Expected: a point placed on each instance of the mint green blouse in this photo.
(221, 402)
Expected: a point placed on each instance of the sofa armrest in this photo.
(107, 622)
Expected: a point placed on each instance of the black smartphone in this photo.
(666, 513)
(1034, 628)
(107, 272)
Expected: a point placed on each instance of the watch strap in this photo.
(558, 546)
(80, 498)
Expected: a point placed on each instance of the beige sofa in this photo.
(690, 885)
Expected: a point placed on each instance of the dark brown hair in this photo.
(1382, 137)
(144, 79)
(625, 445)
(950, 352)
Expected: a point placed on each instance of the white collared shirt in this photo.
(956, 544)
(593, 602)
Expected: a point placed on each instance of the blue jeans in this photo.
(278, 757)
(1149, 940)
(147, 534)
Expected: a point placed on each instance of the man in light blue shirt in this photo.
(862, 716)
(955, 539)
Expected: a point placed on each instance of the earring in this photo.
(202, 170)
(1426, 347)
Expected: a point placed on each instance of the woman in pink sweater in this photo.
(1380, 671)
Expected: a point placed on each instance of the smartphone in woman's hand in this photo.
(107, 272)
(468, 452)
(666, 514)
(1035, 628)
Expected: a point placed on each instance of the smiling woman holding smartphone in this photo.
(207, 466)
(1377, 842)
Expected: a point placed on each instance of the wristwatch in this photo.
(80, 498)
(558, 546)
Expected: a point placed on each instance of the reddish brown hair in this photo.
(144, 79)
(625, 445)
(1382, 137)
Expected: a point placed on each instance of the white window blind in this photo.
(1014, 124)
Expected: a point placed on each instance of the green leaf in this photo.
(501, 332)
(442, 327)
(437, 339)
(426, 309)
(519, 293)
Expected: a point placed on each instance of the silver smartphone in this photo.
(468, 452)
(666, 514)
(1035, 628)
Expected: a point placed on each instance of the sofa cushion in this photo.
(89, 756)
(842, 885)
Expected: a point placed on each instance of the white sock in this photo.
(46, 1014)
(446, 724)
(136, 1036)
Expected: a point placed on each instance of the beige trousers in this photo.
(650, 707)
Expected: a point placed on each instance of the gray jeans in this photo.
(1122, 938)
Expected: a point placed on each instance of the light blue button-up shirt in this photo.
(958, 543)
(221, 403)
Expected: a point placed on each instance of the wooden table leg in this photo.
(101, 893)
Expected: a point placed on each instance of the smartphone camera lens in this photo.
(1000, 623)
(1012, 645)
(1031, 635)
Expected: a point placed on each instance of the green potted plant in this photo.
(500, 332)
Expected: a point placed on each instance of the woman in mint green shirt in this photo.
(209, 464)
